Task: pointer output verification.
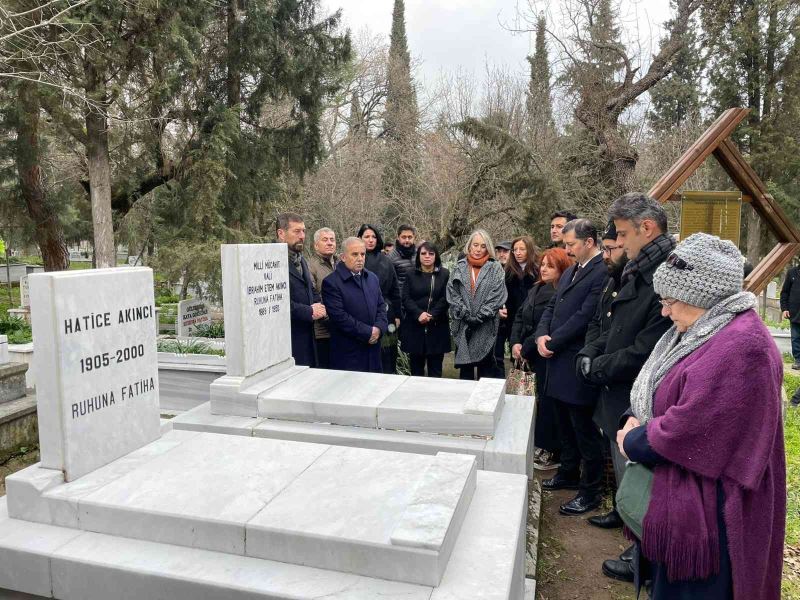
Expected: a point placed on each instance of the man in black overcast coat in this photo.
(790, 309)
(631, 325)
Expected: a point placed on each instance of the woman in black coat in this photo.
(523, 346)
(425, 330)
(522, 271)
(377, 262)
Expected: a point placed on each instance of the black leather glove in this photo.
(583, 366)
(472, 321)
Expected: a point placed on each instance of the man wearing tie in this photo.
(305, 306)
(559, 337)
(356, 311)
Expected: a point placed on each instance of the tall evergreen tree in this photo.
(539, 103)
(401, 123)
(755, 63)
(675, 100)
(401, 117)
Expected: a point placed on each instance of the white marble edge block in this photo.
(91, 415)
(487, 397)
(3, 349)
(447, 484)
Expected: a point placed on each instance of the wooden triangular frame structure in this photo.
(716, 140)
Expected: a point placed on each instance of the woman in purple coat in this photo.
(706, 416)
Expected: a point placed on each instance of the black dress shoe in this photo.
(579, 504)
(609, 520)
(618, 569)
(627, 555)
(559, 482)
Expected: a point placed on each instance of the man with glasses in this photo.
(629, 328)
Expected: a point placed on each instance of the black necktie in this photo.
(575, 274)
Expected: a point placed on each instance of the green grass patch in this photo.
(190, 347)
(783, 324)
(790, 589)
(792, 439)
(18, 330)
(214, 329)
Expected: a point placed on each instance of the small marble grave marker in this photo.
(258, 342)
(95, 340)
(772, 290)
(191, 313)
(24, 292)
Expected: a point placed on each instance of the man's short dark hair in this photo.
(584, 229)
(637, 207)
(564, 214)
(283, 219)
(405, 227)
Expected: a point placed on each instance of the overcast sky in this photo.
(445, 35)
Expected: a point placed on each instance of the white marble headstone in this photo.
(96, 349)
(191, 313)
(3, 349)
(24, 292)
(772, 290)
(255, 290)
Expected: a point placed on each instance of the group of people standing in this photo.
(644, 350)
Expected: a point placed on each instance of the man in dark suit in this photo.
(625, 331)
(305, 305)
(356, 311)
(559, 337)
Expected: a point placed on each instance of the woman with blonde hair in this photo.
(476, 292)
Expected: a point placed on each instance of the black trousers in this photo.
(582, 447)
(500, 351)
(434, 362)
(487, 367)
(389, 359)
(546, 432)
(324, 353)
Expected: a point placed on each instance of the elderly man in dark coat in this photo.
(356, 311)
(559, 337)
(304, 302)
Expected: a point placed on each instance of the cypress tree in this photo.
(401, 118)
(401, 122)
(539, 103)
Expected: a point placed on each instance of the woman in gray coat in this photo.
(476, 292)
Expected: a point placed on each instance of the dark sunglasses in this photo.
(673, 260)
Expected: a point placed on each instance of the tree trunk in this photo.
(48, 231)
(99, 171)
(619, 159)
(233, 82)
(753, 237)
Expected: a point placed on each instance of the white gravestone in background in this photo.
(258, 340)
(191, 313)
(24, 292)
(772, 290)
(96, 350)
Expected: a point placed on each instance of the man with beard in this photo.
(404, 253)
(305, 305)
(377, 262)
(629, 328)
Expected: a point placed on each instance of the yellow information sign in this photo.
(717, 213)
